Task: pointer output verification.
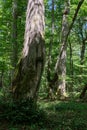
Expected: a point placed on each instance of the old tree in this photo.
(30, 66)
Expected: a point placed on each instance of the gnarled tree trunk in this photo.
(29, 69)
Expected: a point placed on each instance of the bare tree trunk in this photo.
(83, 48)
(82, 55)
(50, 88)
(61, 62)
(71, 67)
(29, 69)
(83, 43)
(62, 54)
(14, 33)
(14, 57)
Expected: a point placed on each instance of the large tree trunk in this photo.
(29, 69)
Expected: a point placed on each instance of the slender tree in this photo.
(59, 76)
(71, 66)
(30, 66)
(83, 37)
(1, 78)
(50, 88)
(61, 62)
(14, 34)
(83, 40)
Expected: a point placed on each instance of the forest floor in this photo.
(60, 115)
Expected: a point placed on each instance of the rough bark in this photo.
(60, 67)
(29, 69)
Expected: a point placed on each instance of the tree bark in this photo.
(64, 46)
(60, 67)
(29, 69)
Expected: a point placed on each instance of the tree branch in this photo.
(74, 18)
(71, 25)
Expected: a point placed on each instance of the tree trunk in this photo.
(61, 62)
(83, 37)
(30, 66)
(71, 67)
(14, 34)
(83, 47)
(1, 79)
(14, 56)
(82, 95)
(61, 59)
(50, 88)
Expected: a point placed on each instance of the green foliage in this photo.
(66, 115)
(58, 115)
(21, 112)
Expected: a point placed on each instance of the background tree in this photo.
(49, 61)
(60, 67)
(14, 35)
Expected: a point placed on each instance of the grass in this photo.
(66, 115)
(60, 115)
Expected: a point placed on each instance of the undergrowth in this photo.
(56, 115)
(24, 112)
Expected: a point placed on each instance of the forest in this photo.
(43, 67)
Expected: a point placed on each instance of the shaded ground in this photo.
(67, 115)
(60, 115)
